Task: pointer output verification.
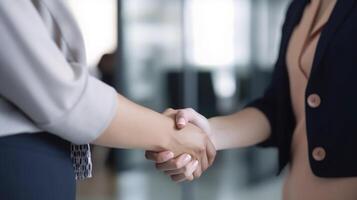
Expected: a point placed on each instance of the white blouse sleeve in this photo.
(59, 97)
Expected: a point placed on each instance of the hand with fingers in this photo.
(179, 169)
(184, 167)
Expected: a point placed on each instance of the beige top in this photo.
(301, 183)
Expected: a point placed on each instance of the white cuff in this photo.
(89, 117)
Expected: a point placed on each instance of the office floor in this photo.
(223, 181)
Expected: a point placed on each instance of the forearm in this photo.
(245, 128)
(137, 127)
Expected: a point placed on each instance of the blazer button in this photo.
(314, 100)
(319, 154)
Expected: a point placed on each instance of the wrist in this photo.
(170, 141)
(214, 133)
(166, 139)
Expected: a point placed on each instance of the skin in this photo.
(242, 129)
(136, 127)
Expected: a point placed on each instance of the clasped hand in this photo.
(192, 152)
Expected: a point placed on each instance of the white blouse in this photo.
(44, 81)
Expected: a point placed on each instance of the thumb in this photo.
(181, 120)
(189, 115)
(185, 116)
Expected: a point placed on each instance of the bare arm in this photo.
(245, 128)
(137, 127)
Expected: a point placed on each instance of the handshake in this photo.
(192, 149)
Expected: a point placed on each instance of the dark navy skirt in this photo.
(36, 167)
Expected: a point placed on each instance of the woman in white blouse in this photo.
(49, 102)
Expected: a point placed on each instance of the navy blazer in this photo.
(331, 126)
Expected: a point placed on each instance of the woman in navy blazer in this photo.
(330, 109)
(333, 77)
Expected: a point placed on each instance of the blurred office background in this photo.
(211, 55)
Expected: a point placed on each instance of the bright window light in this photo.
(213, 38)
(98, 22)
